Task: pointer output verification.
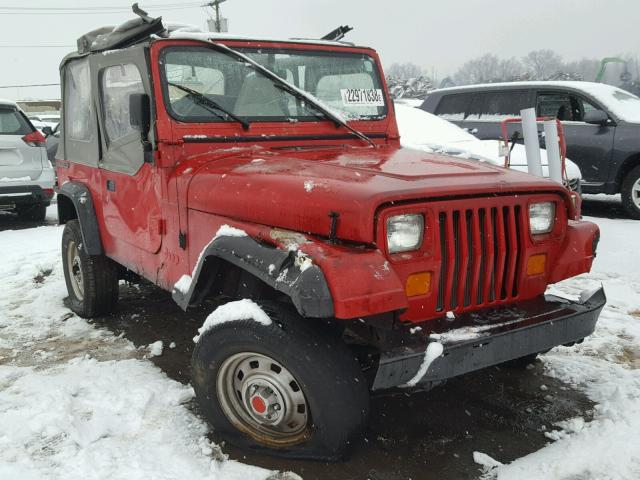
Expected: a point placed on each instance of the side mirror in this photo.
(48, 131)
(140, 113)
(596, 117)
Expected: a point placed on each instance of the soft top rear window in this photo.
(12, 122)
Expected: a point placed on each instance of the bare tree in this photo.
(509, 69)
(404, 71)
(540, 65)
(479, 70)
(543, 63)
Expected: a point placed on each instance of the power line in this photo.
(89, 11)
(104, 7)
(31, 85)
(37, 46)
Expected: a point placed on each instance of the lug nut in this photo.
(276, 407)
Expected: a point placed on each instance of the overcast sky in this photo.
(438, 35)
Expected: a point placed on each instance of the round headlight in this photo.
(541, 217)
(404, 232)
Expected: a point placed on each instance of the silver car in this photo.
(26, 175)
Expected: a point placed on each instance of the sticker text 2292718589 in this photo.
(369, 97)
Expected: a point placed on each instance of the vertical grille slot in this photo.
(501, 253)
(490, 262)
(518, 257)
(455, 278)
(467, 264)
(483, 255)
(451, 251)
(477, 257)
(514, 245)
(443, 262)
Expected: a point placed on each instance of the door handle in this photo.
(111, 185)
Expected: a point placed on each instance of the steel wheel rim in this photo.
(74, 265)
(262, 398)
(635, 193)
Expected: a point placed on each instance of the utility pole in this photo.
(220, 24)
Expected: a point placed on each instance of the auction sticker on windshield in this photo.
(362, 97)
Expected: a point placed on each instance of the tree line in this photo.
(536, 65)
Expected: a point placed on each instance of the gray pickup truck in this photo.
(601, 124)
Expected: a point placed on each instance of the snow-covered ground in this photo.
(77, 402)
(606, 367)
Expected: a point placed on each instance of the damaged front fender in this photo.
(285, 271)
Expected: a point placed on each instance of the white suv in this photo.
(26, 175)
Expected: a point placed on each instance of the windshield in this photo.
(347, 83)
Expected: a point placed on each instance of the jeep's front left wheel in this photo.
(286, 389)
(92, 280)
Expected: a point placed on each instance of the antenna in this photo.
(142, 14)
(337, 34)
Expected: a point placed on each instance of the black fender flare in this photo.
(307, 287)
(80, 197)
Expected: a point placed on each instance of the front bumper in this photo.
(482, 339)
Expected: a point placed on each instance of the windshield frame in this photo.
(247, 49)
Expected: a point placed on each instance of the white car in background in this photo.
(44, 119)
(38, 124)
(424, 131)
(26, 175)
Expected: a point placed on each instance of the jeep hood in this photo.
(299, 190)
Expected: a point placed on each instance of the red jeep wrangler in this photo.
(270, 173)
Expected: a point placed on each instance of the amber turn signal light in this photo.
(418, 284)
(536, 264)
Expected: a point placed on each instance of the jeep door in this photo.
(589, 146)
(131, 189)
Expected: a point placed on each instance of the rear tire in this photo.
(630, 193)
(324, 407)
(32, 213)
(92, 280)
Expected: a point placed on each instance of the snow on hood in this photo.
(423, 128)
(622, 104)
(424, 131)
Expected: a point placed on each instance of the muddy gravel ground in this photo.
(499, 411)
(429, 435)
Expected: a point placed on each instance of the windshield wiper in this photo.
(295, 91)
(325, 111)
(205, 101)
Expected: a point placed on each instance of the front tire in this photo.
(630, 193)
(286, 389)
(92, 280)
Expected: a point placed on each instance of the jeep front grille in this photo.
(481, 252)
